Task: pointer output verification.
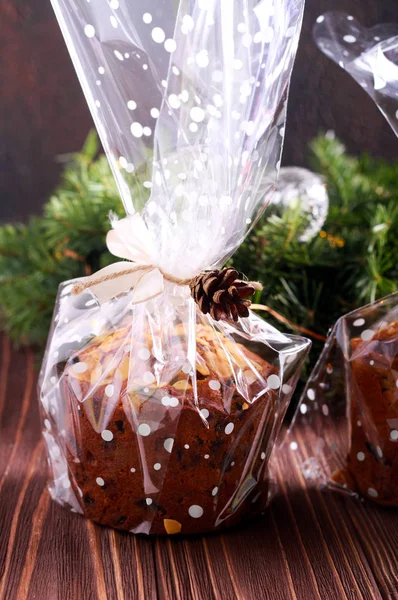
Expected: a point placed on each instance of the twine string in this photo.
(81, 287)
(93, 281)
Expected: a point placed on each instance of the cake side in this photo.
(168, 462)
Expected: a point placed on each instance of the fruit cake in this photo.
(156, 450)
(372, 462)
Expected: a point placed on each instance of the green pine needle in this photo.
(352, 262)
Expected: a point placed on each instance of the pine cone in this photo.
(221, 294)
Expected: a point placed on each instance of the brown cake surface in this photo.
(372, 463)
(145, 455)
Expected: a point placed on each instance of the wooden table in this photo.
(309, 544)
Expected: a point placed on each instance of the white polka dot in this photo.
(187, 24)
(53, 380)
(47, 424)
(367, 335)
(197, 114)
(101, 70)
(118, 55)
(320, 19)
(214, 385)
(186, 368)
(168, 444)
(350, 39)
(229, 428)
(361, 456)
(149, 377)
(80, 367)
(241, 27)
(262, 455)
(98, 104)
(113, 21)
(359, 322)
(107, 435)
(359, 424)
(149, 501)
(207, 456)
(174, 101)
(303, 408)
(89, 31)
(195, 511)
(137, 130)
(372, 493)
(144, 353)
(293, 445)
(144, 430)
(379, 452)
(131, 105)
(274, 382)
(132, 470)
(170, 45)
(66, 484)
(202, 59)
(311, 394)
(114, 4)
(325, 409)
(394, 435)
(173, 402)
(100, 481)
(205, 413)
(158, 35)
(186, 446)
(154, 113)
(166, 401)
(193, 127)
(215, 491)
(157, 466)
(147, 18)
(109, 390)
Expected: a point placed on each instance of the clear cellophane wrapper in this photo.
(157, 418)
(369, 55)
(345, 433)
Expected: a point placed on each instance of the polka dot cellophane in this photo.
(355, 386)
(370, 56)
(187, 120)
(158, 420)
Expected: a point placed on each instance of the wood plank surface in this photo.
(309, 544)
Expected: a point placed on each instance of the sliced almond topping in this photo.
(124, 367)
(182, 385)
(250, 376)
(95, 375)
(201, 367)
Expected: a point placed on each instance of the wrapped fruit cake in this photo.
(355, 384)
(162, 394)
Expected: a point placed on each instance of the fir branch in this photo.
(352, 261)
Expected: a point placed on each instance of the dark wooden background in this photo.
(44, 113)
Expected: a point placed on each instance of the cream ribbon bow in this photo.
(131, 240)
